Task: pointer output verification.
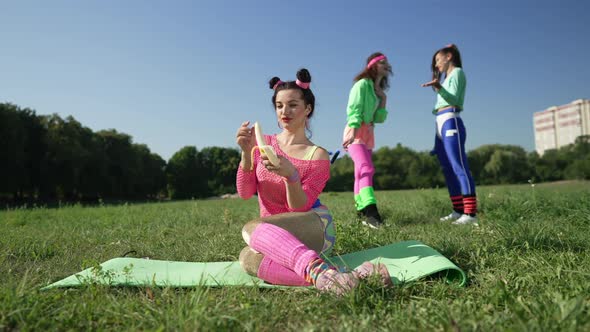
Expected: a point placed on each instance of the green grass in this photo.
(528, 266)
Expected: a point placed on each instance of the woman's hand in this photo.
(285, 168)
(349, 136)
(296, 197)
(245, 137)
(435, 83)
(379, 92)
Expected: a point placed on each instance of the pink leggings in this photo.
(363, 166)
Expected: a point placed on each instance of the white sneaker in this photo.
(465, 220)
(453, 216)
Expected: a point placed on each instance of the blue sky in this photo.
(177, 73)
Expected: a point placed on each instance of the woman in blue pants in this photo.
(449, 144)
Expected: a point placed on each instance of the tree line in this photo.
(47, 158)
(403, 168)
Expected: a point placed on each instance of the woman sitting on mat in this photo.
(294, 229)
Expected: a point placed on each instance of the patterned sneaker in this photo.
(368, 269)
(336, 282)
(453, 216)
(465, 220)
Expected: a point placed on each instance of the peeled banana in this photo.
(264, 149)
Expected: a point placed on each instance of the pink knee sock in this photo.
(282, 247)
(277, 274)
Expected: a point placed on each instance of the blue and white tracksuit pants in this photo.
(449, 147)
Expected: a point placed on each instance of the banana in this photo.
(262, 147)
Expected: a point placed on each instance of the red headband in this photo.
(375, 60)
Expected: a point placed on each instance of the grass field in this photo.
(528, 265)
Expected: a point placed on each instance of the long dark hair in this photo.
(371, 72)
(455, 59)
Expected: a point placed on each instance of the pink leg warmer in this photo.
(277, 274)
(282, 247)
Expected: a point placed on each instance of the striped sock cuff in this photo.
(470, 204)
(457, 203)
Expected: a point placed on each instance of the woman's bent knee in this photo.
(248, 229)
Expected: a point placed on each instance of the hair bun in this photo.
(273, 81)
(303, 75)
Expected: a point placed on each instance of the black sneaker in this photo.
(372, 222)
(372, 218)
(361, 213)
(372, 211)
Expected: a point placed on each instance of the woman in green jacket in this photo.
(366, 106)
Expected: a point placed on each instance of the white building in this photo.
(561, 125)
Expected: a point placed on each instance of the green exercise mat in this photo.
(406, 261)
